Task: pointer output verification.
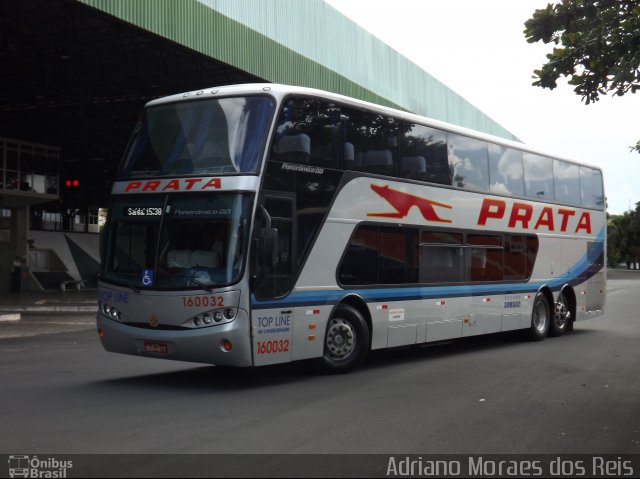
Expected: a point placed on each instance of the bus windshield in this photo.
(177, 241)
(225, 135)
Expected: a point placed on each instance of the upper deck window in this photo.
(538, 177)
(225, 135)
(566, 178)
(505, 171)
(308, 133)
(591, 190)
(468, 162)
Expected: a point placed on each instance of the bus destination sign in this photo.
(142, 211)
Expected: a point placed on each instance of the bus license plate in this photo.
(156, 348)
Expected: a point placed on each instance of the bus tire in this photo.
(541, 318)
(562, 316)
(346, 341)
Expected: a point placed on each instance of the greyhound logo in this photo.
(403, 202)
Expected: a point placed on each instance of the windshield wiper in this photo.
(200, 283)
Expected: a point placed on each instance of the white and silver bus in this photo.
(261, 224)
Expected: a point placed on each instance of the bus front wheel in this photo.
(562, 318)
(346, 341)
(541, 318)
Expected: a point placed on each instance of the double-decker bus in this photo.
(261, 224)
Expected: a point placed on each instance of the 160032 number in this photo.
(271, 347)
(203, 301)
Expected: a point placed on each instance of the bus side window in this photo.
(414, 167)
(531, 254)
(468, 162)
(506, 173)
(360, 263)
(441, 257)
(514, 257)
(293, 148)
(486, 257)
(424, 154)
(566, 182)
(308, 132)
(374, 139)
(538, 177)
(442, 263)
(591, 190)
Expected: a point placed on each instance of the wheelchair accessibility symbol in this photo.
(147, 277)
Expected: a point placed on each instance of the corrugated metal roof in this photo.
(306, 43)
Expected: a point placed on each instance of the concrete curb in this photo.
(8, 310)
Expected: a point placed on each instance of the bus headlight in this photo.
(110, 311)
(211, 318)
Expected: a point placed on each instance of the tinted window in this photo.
(423, 153)
(468, 162)
(566, 177)
(360, 263)
(308, 133)
(531, 253)
(371, 142)
(591, 190)
(486, 257)
(505, 171)
(398, 255)
(514, 257)
(440, 237)
(441, 257)
(538, 177)
(484, 240)
(442, 263)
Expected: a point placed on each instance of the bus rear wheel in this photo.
(346, 341)
(540, 318)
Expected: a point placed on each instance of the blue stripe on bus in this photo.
(577, 274)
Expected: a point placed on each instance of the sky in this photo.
(478, 49)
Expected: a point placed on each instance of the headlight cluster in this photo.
(110, 311)
(211, 318)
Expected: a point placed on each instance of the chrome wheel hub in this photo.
(341, 339)
(562, 315)
(540, 317)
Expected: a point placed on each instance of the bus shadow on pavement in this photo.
(459, 347)
(221, 378)
(216, 378)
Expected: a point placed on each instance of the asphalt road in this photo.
(62, 394)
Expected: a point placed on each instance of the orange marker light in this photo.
(312, 337)
(312, 325)
(226, 345)
(100, 332)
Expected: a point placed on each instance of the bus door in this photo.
(273, 266)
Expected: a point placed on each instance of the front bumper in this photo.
(202, 345)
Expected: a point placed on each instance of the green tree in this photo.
(598, 46)
(623, 238)
(618, 250)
